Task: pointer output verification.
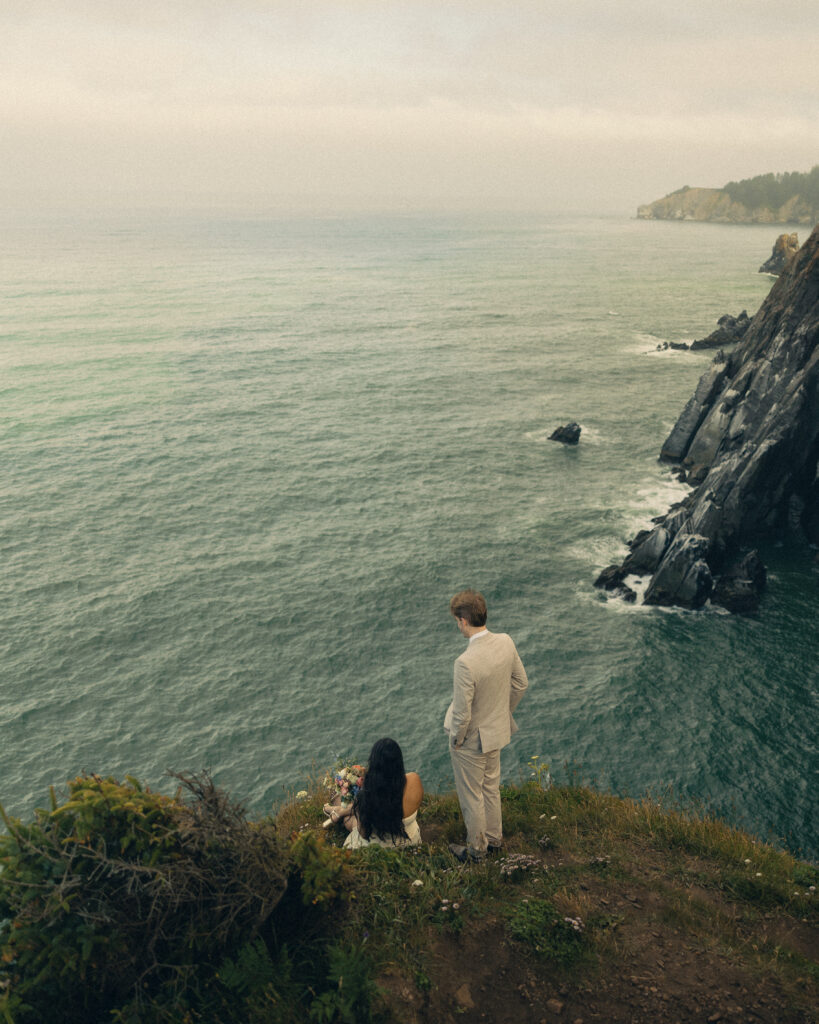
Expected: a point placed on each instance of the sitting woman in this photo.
(385, 811)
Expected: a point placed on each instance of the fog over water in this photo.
(589, 106)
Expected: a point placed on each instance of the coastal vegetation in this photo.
(788, 198)
(121, 904)
(773, 191)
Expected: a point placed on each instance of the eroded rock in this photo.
(748, 440)
(784, 248)
(730, 330)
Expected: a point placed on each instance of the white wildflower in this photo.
(302, 794)
(416, 883)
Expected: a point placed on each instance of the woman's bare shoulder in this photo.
(413, 792)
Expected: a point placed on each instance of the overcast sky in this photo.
(569, 105)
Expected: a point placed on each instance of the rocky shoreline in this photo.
(748, 440)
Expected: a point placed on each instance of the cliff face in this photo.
(749, 438)
(714, 204)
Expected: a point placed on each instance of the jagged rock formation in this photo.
(715, 204)
(784, 248)
(730, 330)
(570, 434)
(749, 439)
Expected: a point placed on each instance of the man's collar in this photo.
(475, 636)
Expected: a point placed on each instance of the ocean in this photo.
(246, 461)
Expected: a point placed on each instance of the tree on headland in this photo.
(774, 190)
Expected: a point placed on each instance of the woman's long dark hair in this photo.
(379, 804)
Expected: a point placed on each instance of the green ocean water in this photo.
(246, 461)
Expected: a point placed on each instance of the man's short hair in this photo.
(469, 605)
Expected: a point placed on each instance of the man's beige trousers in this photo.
(477, 783)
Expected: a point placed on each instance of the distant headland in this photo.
(791, 198)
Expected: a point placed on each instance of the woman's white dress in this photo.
(355, 840)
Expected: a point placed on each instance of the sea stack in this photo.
(785, 247)
(749, 440)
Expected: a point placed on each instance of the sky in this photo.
(576, 105)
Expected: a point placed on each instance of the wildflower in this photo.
(759, 874)
(575, 922)
(553, 818)
(811, 888)
(455, 906)
(518, 862)
(747, 860)
(542, 816)
(302, 794)
(416, 883)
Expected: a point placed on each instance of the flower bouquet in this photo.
(344, 782)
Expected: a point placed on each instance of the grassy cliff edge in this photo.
(602, 908)
(124, 905)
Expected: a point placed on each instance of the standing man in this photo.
(488, 685)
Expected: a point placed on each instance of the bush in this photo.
(118, 898)
(321, 870)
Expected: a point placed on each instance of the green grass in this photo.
(594, 842)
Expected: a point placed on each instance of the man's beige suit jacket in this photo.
(489, 682)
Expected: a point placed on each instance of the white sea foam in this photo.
(597, 552)
(652, 499)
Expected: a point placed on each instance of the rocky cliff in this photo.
(715, 204)
(748, 439)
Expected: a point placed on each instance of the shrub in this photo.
(321, 870)
(119, 896)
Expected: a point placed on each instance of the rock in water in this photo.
(749, 437)
(741, 584)
(730, 330)
(785, 247)
(570, 434)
